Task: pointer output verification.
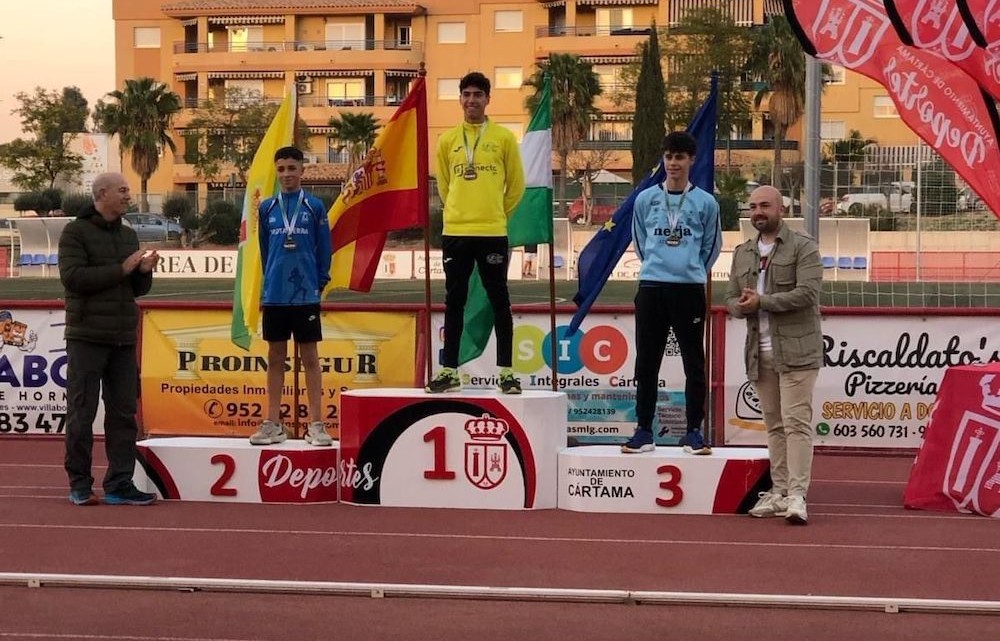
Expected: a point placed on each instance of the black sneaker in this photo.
(447, 380)
(129, 495)
(510, 384)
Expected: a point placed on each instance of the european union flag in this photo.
(598, 259)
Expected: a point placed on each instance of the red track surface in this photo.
(860, 542)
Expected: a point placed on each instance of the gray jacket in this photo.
(791, 296)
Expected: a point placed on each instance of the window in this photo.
(832, 130)
(345, 35)
(345, 93)
(508, 21)
(395, 90)
(607, 76)
(448, 88)
(883, 107)
(146, 37)
(516, 128)
(403, 34)
(837, 75)
(611, 130)
(243, 92)
(611, 20)
(507, 78)
(451, 33)
(246, 38)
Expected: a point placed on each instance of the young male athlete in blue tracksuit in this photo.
(677, 235)
(295, 251)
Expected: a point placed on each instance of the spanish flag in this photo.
(387, 192)
(262, 183)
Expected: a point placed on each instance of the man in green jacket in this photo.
(775, 283)
(103, 271)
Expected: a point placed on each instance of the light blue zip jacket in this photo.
(700, 231)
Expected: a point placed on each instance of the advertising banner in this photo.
(880, 379)
(33, 373)
(595, 370)
(196, 382)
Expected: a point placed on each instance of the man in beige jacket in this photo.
(775, 283)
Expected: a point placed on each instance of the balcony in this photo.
(587, 32)
(734, 145)
(306, 100)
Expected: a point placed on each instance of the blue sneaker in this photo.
(129, 495)
(641, 441)
(83, 497)
(694, 443)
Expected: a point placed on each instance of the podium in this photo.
(231, 470)
(471, 449)
(600, 478)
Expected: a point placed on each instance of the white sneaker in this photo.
(769, 504)
(269, 433)
(316, 435)
(795, 511)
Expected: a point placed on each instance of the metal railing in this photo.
(306, 100)
(585, 32)
(299, 46)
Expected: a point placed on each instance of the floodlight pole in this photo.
(814, 92)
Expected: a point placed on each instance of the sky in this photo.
(53, 44)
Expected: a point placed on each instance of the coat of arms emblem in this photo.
(486, 451)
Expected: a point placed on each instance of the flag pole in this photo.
(296, 364)
(428, 325)
(554, 348)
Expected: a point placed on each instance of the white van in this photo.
(898, 199)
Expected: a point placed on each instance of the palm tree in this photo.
(575, 86)
(140, 116)
(778, 60)
(356, 132)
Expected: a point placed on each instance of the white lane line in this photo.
(497, 537)
(857, 482)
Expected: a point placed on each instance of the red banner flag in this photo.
(387, 192)
(939, 101)
(982, 19)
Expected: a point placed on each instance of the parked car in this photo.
(751, 185)
(604, 209)
(153, 227)
(898, 199)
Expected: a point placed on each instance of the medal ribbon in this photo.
(290, 224)
(674, 216)
(470, 153)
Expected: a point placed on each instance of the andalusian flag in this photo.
(262, 183)
(530, 224)
(388, 192)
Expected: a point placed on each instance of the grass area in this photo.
(835, 294)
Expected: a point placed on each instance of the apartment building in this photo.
(350, 55)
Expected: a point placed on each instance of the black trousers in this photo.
(659, 308)
(460, 255)
(94, 369)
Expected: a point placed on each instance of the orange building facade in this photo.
(361, 55)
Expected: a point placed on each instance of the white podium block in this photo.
(666, 481)
(234, 471)
(472, 449)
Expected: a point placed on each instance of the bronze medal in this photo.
(289, 243)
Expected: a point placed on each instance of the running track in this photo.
(860, 542)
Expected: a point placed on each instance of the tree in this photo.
(649, 123)
(222, 136)
(140, 116)
(706, 40)
(586, 165)
(575, 87)
(53, 119)
(356, 133)
(938, 191)
(778, 61)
